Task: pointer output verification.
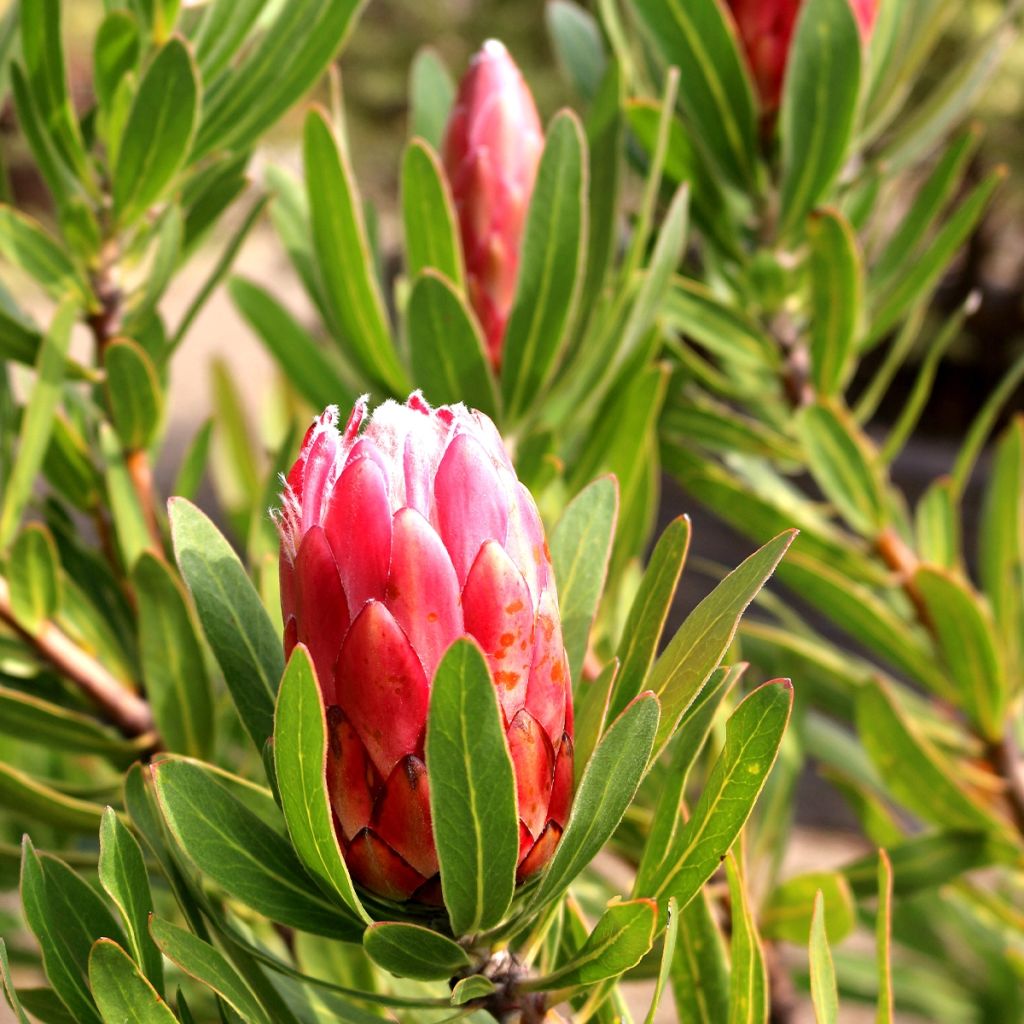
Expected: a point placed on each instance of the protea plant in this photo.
(766, 31)
(396, 540)
(492, 148)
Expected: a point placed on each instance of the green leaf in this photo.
(159, 132)
(819, 104)
(65, 935)
(883, 941)
(232, 615)
(1001, 542)
(25, 244)
(209, 966)
(133, 392)
(122, 993)
(130, 525)
(37, 421)
(789, 911)
(701, 641)
(223, 29)
(937, 525)
(590, 713)
(581, 545)
(431, 230)
(668, 952)
(431, 94)
(8, 985)
(33, 573)
(621, 938)
(837, 299)
(843, 465)
(447, 352)
(239, 852)
(752, 737)
(823, 972)
(173, 666)
(923, 274)
(193, 463)
(551, 267)
(916, 772)
(714, 89)
(115, 53)
(277, 70)
(300, 761)
(123, 876)
(42, 47)
(966, 637)
(343, 255)
(40, 802)
(412, 951)
(700, 972)
(748, 983)
(28, 717)
(648, 613)
(609, 783)
(476, 986)
(472, 791)
(938, 189)
(578, 45)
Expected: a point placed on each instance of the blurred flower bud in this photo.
(766, 31)
(395, 541)
(492, 148)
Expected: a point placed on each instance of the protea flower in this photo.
(491, 150)
(766, 31)
(395, 541)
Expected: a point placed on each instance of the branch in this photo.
(1006, 759)
(125, 709)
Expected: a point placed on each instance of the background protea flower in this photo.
(395, 541)
(766, 31)
(492, 148)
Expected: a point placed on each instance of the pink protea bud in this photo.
(396, 540)
(766, 31)
(492, 148)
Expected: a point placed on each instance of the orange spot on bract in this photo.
(556, 672)
(515, 606)
(431, 616)
(499, 654)
(507, 639)
(506, 679)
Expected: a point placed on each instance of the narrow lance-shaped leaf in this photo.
(123, 876)
(823, 972)
(789, 911)
(33, 574)
(609, 783)
(715, 89)
(159, 131)
(883, 940)
(431, 94)
(686, 664)
(472, 791)
(819, 104)
(232, 615)
(752, 738)
(133, 392)
(173, 664)
(431, 233)
(580, 548)
(208, 966)
(700, 970)
(551, 267)
(449, 360)
(412, 951)
(300, 759)
(668, 952)
(37, 421)
(622, 936)
(748, 982)
(122, 993)
(343, 255)
(8, 985)
(837, 299)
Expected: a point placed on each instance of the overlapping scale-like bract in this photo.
(397, 539)
(766, 30)
(492, 147)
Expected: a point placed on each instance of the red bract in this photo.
(766, 31)
(395, 541)
(491, 150)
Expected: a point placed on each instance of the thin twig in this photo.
(1005, 758)
(125, 709)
